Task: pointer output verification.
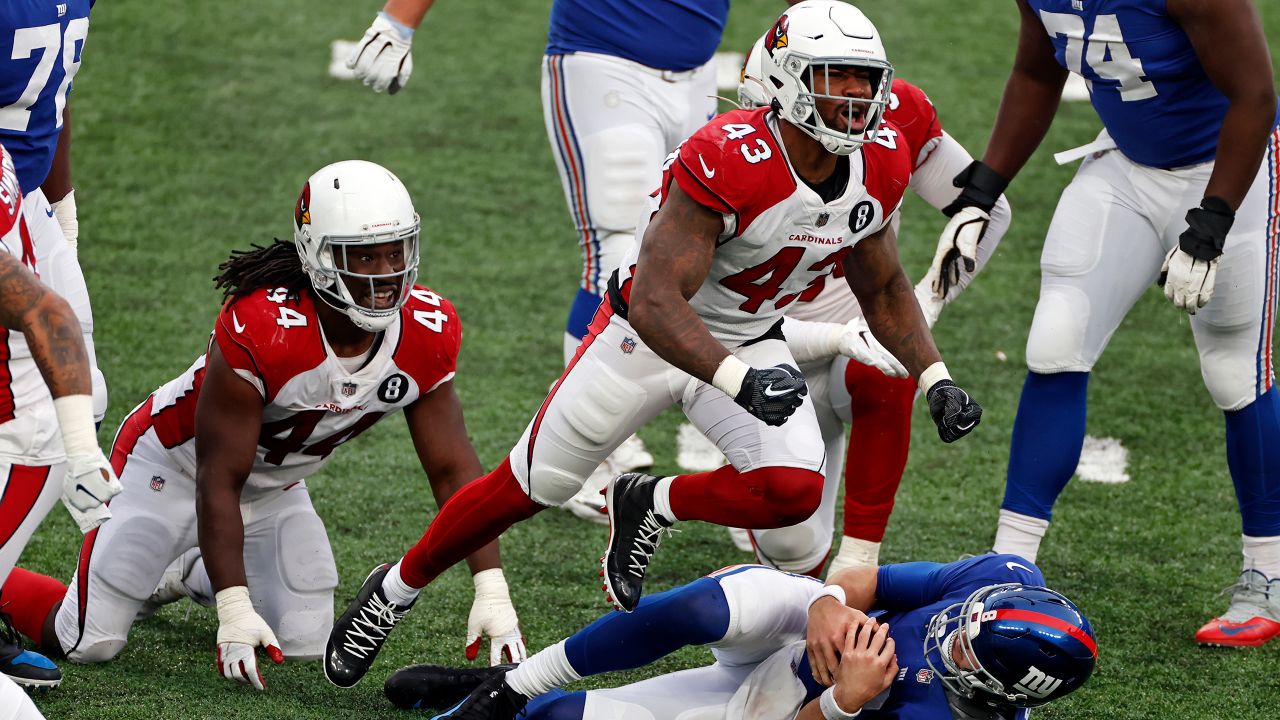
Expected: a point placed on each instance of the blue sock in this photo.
(557, 705)
(580, 313)
(1048, 433)
(693, 614)
(1253, 455)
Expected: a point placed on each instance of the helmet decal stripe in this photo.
(1052, 622)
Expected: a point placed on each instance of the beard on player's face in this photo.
(840, 90)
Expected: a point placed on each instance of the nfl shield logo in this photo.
(628, 345)
(348, 389)
(925, 676)
(157, 483)
(823, 218)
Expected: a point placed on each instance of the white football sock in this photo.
(855, 552)
(662, 499)
(543, 671)
(571, 344)
(1019, 534)
(1262, 554)
(396, 589)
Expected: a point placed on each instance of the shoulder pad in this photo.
(889, 166)
(430, 338)
(270, 335)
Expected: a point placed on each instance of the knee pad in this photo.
(127, 565)
(596, 409)
(793, 492)
(1058, 338)
(1229, 362)
(795, 549)
(96, 652)
(553, 486)
(306, 560)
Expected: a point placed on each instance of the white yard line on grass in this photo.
(1103, 460)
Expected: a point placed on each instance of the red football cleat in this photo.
(1253, 617)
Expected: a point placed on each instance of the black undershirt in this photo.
(833, 187)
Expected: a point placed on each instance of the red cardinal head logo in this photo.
(777, 38)
(302, 213)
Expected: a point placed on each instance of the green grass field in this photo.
(195, 126)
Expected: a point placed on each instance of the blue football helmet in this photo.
(1019, 645)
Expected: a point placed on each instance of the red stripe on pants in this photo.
(20, 495)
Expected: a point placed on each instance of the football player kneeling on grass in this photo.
(980, 638)
(318, 339)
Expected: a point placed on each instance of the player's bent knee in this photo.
(128, 565)
(552, 486)
(1229, 383)
(1057, 341)
(306, 560)
(793, 493)
(98, 651)
(796, 549)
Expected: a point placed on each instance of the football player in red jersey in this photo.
(756, 210)
(318, 339)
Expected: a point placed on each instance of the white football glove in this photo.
(382, 59)
(240, 630)
(857, 343)
(89, 519)
(930, 305)
(1188, 281)
(959, 241)
(65, 211)
(89, 482)
(493, 616)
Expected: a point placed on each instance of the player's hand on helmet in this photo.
(953, 411)
(970, 213)
(772, 394)
(858, 343)
(1191, 268)
(89, 481)
(383, 59)
(241, 630)
(868, 664)
(493, 616)
(829, 622)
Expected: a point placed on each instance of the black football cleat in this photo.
(30, 670)
(491, 700)
(635, 531)
(359, 634)
(436, 687)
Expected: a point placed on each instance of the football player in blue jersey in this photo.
(977, 638)
(623, 81)
(1185, 92)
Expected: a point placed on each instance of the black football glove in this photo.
(772, 394)
(980, 187)
(953, 411)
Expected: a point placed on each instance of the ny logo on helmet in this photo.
(1037, 684)
(777, 37)
(302, 213)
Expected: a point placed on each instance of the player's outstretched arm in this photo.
(228, 422)
(889, 305)
(440, 438)
(674, 261)
(53, 333)
(383, 58)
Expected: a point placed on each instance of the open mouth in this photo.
(852, 119)
(382, 297)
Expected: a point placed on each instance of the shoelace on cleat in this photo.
(8, 633)
(378, 617)
(1251, 594)
(648, 535)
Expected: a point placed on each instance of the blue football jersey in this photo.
(907, 597)
(1145, 80)
(665, 34)
(41, 43)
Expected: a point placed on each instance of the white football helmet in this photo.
(807, 40)
(353, 204)
(752, 92)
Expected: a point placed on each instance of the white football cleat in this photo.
(172, 586)
(694, 452)
(630, 456)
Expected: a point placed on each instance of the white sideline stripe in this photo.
(729, 70)
(1103, 460)
(339, 50)
(694, 452)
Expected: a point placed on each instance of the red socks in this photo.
(879, 439)
(469, 520)
(28, 598)
(769, 497)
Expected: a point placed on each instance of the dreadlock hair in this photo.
(276, 265)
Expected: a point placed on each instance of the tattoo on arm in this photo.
(888, 301)
(51, 328)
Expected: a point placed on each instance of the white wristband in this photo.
(232, 602)
(932, 375)
(729, 376)
(832, 591)
(831, 710)
(491, 583)
(75, 420)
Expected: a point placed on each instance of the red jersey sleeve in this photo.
(430, 340)
(888, 172)
(916, 119)
(733, 166)
(268, 338)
